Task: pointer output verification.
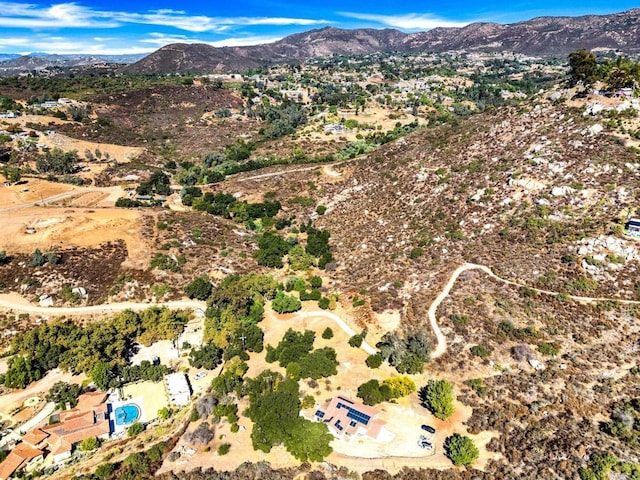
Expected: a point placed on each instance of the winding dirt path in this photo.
(441, 341)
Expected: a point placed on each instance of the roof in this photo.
(346, 416)
(634, 222)
(178, 388)
(34, 437)
(17, 458)
(88, 419)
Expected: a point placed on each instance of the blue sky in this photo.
(139, 26)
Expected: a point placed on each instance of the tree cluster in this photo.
(295, 353)
(100, 349)
(374, 392)
(57, 161)
(275, 411)
(406, 352)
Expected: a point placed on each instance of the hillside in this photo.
(541, 37)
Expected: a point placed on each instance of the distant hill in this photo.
(540, 37)
(298, 47)
(14, 64)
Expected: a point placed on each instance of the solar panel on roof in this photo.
(319, 413)
(358, 416)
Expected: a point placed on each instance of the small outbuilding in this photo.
(633, 227)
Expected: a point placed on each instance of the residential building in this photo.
(345, 417)
(633, 227)
(22, 456)
(178, 389)
(88, 419)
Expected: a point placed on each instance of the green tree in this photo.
(438, 397)
(461, 450)
(272, 248)
(372, 392)
(374, 361)
(102, 375)
(208, 356)
(356, 340)
(224, 449)
(309, 441)
(327, 334)
(200, 288)
(21, 372)
(62, 393)
(89, 444)
(283, 303)
(583, 67)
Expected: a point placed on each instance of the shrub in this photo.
(547, 348)
(374, 361)
(482, 351)
(461, 450)
(224, 449)
(89, 444)
(477, 385)
(356, 340)
(327, 334)
(200, 288)
(135, 429)
(321, 209)
(323, 303)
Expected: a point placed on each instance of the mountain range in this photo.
(539, 37)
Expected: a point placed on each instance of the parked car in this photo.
(200, 375)
(424, 443)
(429, 429)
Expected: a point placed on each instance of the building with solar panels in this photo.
(345, 417)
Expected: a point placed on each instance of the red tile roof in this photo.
(17, 458)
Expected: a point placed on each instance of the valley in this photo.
(371, 265)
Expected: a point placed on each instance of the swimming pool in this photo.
(127, 414)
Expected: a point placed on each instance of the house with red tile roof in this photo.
(346, 417)
(22, 456)
(89, 418)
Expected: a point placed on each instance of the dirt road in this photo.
(17, 303)
(441, 341)
(341, 323)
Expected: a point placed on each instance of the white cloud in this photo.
(161, 39)
(244, 41)
(409, 21)
(63, 45)
(63, 15)
(73, 15)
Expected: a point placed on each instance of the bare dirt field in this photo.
(69, 227)
(120, 153)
